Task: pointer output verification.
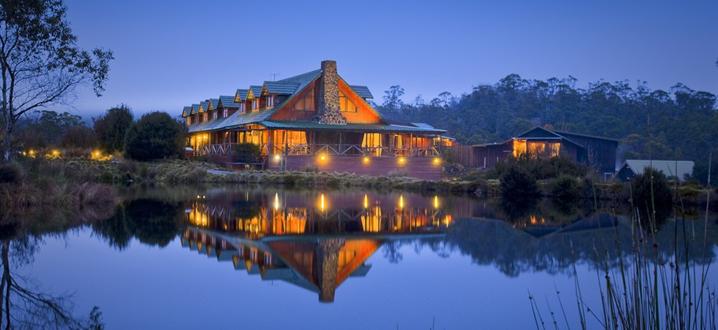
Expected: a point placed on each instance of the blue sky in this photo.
(174, 53)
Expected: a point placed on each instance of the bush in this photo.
(540, 168)
(246, 153)
(518, 183)
(651, 194)
(112, 128)
(80, 137)
(565, 189)
(155, 136)
(10, 173)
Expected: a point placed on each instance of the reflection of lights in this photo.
(401, 161)
(276, 201)
(322, 202)
(401, 202)
(366, 160)
(436, 161)
(366, 201)
(436, 202)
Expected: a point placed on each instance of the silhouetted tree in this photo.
(111, 128)
(155, 136)
(40, 62)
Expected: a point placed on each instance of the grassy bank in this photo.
(41, 174)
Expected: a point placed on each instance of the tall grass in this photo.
(647, 289)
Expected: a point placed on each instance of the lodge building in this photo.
(594, 151)
(313, 120)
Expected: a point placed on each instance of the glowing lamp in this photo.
(436, 161)
(401, 161)
(366, 160)
(277, 158)
(323, 157)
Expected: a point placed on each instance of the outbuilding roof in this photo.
(671, 168)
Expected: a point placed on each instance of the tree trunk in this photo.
(6, 283)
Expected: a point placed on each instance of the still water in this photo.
(222, 257)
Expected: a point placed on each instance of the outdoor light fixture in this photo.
(277, 158)
(366, 160)
(401, 161)
(323, 157)
(436, 161)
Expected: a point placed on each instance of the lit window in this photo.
(225, 113)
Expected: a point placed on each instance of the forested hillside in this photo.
(677, 124)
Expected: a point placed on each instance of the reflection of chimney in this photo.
(327, 266)
(328, 100)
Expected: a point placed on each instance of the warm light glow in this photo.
(366, 160)
(436, 202)
(277, 158)
(401, 202)
(276, 204)
(323, 157)
(97, 155)
(366, 201)
(53, 154)
(436, 161)
(401, 161)
(322, 203)
(30, 153)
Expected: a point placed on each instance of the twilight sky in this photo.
(174, 53)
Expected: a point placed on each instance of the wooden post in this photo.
(339, 150)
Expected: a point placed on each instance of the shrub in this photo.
(518, 183)
(565, 189)
(80, 137)
(10, 173)
(246, 153)
(112, 127)
(652, 195)
(155, 136)
(540, 168)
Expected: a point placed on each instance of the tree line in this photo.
(155, 135)
(680, 123)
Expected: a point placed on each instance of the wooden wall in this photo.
(418, 167)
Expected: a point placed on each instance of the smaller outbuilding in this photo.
(680, 169)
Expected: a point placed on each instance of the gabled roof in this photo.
(240, 95)
(226, 101)
(282, 88)
(569, 134)
(540, 133)
(186, 111)
(195, 109)
(676, 168)
(212, 104)
(254, 91)
(362, 91)
(203, 106)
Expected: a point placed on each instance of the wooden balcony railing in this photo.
(330, 149)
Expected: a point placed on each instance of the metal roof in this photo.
(186, 111)
(284, 88)
(212, 104)
(349, 127)
(203, 106)
(226, 101)
(195, 109)
(362, 91)
(671, 168)
(240, 95)
(256, 90)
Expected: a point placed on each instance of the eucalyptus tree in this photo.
(40, 62)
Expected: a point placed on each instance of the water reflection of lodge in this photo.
(316, 241)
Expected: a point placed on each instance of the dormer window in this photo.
(214, 115)
(270, 102)
(225, 113)
(241, 107)
(255, 104)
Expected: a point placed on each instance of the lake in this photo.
(269, 258)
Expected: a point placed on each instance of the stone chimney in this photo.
(328, 100)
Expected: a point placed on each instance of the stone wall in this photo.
(328, 98)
